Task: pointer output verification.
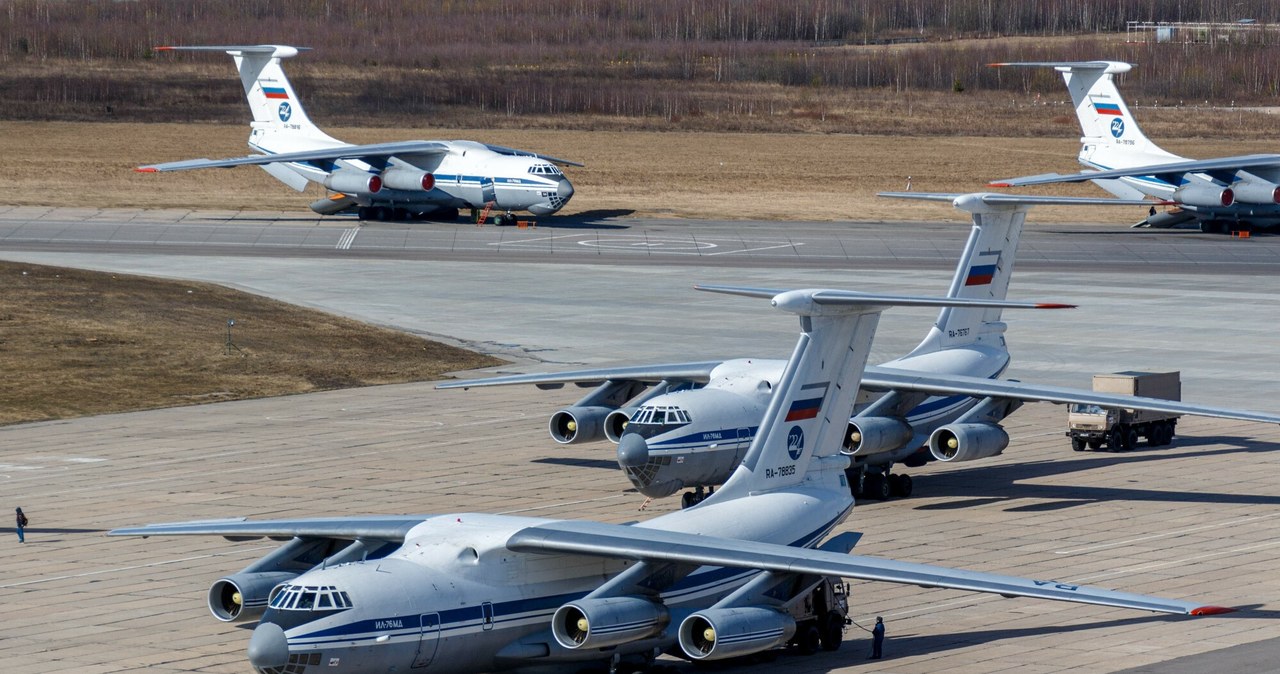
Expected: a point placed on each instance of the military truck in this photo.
(1094, 426)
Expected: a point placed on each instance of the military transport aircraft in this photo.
(383, 181)
(688, 425)
(725, 578)
(1222, 194)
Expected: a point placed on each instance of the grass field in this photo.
(812, 176)
(75, 343)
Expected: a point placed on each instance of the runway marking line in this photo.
(348, 237)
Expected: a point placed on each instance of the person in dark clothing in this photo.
(22, 524)
(877, 638)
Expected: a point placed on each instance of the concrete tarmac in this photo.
(1196, 520)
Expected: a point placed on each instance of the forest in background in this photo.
(769, 65)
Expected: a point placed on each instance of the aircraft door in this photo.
(487, 192)
(427, 642)
(744, 437)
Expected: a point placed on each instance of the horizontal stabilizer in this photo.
(1105, 66)
(275, 50)
(811, 302)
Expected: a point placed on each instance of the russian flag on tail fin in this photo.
(983, 269)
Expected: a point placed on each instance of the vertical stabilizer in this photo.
(280, 124)
(1110, 138)
(983, 273)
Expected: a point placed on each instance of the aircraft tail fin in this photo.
(279, 120)
(1105, 121)
(802, 431)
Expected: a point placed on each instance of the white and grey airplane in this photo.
(688, 425)
(383, 181)
(475, 592)
(1222, 194)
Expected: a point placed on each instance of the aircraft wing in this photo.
(885, 378)
(642, 543)
(522, 153)
(378, 527)
(1220, 164)
(695, 372)
(374, 153)
(992, 199)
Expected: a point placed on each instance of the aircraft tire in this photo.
(900, 485)
(832, 632)
(877, 487)
(362, 213)
(687, 500)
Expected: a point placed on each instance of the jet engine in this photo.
(1209, 196)
(718, 633)
(350, 181)
(578, 424)
(616, 423)
(608, 621)
(1256, 192)
(967, 442)
(243, 596)
(873, 435)
(408, 179)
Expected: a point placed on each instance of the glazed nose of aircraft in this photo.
(633, 451)
(268, 647)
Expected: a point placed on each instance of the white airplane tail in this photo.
(801, 435)
(280, 123)
(1111, 137)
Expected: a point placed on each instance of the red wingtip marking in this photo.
(144, 170)
(999, 185)
(1212, 610)
(164, 49)
(1055, 305)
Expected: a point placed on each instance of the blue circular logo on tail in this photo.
(1117, 127)
(795, 442)
(286, 111)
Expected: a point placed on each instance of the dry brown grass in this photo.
(76, 343)
(795, 176)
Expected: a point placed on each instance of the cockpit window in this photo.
(651, 420)
(544, 169)
(310, 598)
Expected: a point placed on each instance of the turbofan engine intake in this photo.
(967, 442)
(244, 596)
(873, 435)
(353, 182)
(718, 633)
(1206, 196)
(616, 423)
(608, 621)
(578, 424)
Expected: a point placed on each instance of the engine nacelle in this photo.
(243, 596)
(578, 424)
(1207, 196)
(608, 621)
(616, 423)
(967, 442)
(1256, 192)
(718, 633)
(873, 435)
(408, 179)
(350, 181)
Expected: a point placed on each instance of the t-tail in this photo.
(801, 435)
(280, 123)
(1109, 130)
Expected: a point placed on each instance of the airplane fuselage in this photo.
(724, 416)
(454, 598)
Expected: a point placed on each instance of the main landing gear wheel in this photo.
(900, 485)
(874, 485)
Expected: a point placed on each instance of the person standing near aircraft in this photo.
(877, 639)
(20, 525)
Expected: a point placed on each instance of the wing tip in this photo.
(146, 169)
(999, 184)
(1055, 305)
(1212, 610)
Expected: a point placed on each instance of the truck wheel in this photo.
(809, 639)
(1095, 444)
(1131, 439)
(1078, 444)
(1115, 441)
(1155, 434)
(832, 632)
